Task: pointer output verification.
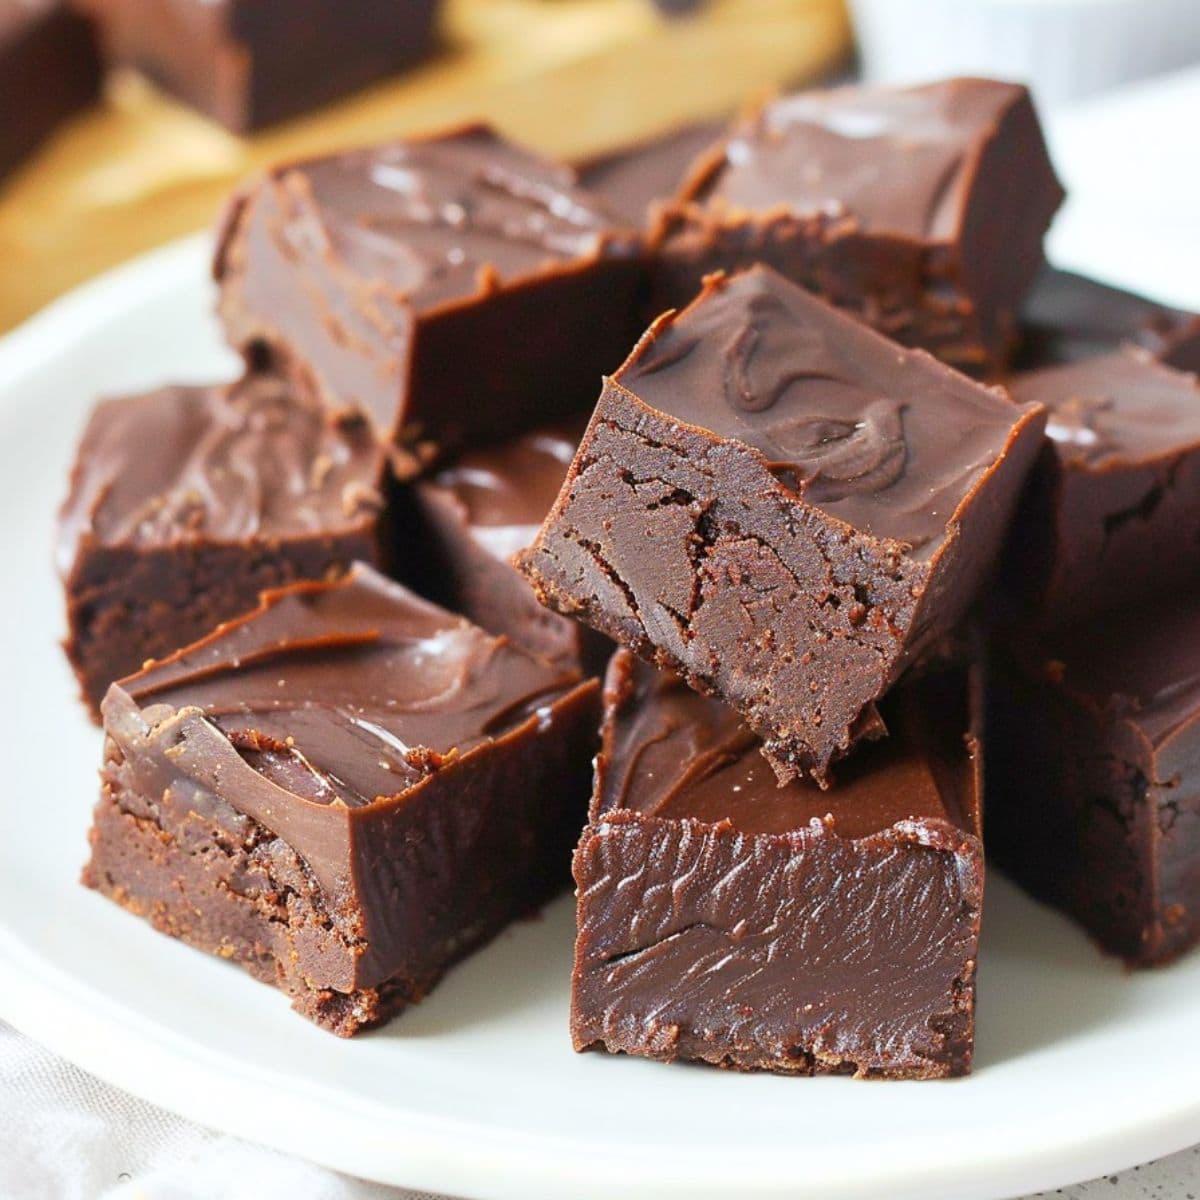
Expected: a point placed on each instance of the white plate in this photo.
(1081, 1068)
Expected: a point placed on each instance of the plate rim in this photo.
(120, 1046)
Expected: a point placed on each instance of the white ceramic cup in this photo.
(1064, 49)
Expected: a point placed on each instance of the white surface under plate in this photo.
(1081, 1068)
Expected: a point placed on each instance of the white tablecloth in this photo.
(64, 1135)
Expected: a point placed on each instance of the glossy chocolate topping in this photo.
(1069, 317)
(892, 160)
(507, 489)
(1117, 408)
(884, 438)
(220, 464)
(671, 753)
(444, 218)
(350, 691)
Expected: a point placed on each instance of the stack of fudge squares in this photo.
(872, 504)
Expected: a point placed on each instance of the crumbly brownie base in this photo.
(798, 622)
(234, 890)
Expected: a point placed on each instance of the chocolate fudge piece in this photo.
(343, 792)
(785, 507)
(450, 287)
(187, 502)
(249, 63)
(1093, 767)
(636, 180)
(726, 919)
(49, 70)
(473, 516)
(1112, 513)
(921, 209)
(1067, 317)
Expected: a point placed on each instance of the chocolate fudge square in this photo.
(187, 502)
(343, 792)
(1093, 768)
(725, 919)
(921, 210)
(472, 516)
(450, 288)
(1112, 513)
(49, 70)
(1068, 317)
(249, 63)
(786, 508)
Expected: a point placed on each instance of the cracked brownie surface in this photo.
(784, 507)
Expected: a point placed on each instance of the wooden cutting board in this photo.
(567, 76)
